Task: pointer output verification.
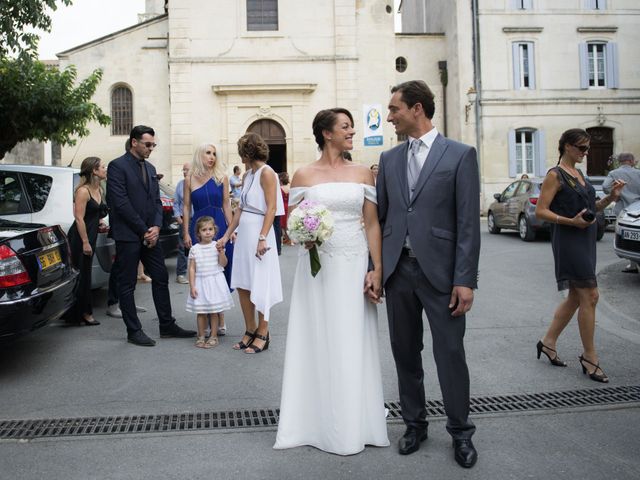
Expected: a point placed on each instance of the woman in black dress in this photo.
(88, 209)
(568, 201)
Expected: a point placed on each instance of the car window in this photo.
(509, 191)
(11, 200)
(38, 188)
(524, 187)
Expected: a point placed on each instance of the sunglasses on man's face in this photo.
(582, 148)
(148, 144)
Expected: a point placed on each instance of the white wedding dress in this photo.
(332, 387)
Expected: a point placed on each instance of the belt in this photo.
(408, 252)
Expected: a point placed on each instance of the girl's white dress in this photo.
(260, 276)
(332, 385)
(213, 291)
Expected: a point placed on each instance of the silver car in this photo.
(627, 240)
(515, 209)
(44, 195)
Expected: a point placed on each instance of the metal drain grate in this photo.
(268, 417)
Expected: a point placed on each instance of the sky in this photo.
(86, 20)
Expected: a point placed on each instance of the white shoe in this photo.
(114, 311)
(140, 309)
(182, 279)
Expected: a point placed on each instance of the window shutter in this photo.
(515, 47)
(532, 66)
(514, 4)
(512, 152)
(589, 4)
(584, 66)
(540, 153)
(528, 4)
(612, 65)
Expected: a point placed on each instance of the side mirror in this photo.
(497, 196)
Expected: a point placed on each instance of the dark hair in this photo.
(253, 147)
(571, 137)
(326, 120)
(236, 168)
(417, 91)
(139, 130)
(284, 178)
(87, 167)
(201, 221)
(347, 156)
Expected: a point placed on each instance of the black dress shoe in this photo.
(141, 339)
(177, 332)
(465, 453)
(410, 441)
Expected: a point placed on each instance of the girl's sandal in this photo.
(200, 343)
(212, 342)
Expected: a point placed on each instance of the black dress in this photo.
(92, 215)
(574, 249)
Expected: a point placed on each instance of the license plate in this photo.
(631, 235)
(49, 259)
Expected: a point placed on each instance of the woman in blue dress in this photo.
(206, 188)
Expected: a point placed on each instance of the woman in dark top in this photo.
(88, 209)
(568, 201)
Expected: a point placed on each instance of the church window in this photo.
(401, 64)
(121, 111)
(262, 15)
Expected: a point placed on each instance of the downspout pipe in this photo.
(444, 80)
(477, 80)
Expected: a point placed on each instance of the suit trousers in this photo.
(128, 254)
(408, 293)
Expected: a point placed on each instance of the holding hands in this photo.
(373, 286)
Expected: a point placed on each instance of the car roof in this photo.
(42, 169)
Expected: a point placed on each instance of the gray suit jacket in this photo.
(442, 218)
(631, 191)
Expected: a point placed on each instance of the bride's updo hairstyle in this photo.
(326, 120)
(253, 147)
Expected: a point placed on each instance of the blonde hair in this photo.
(198, 168)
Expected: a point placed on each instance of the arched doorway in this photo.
(274, 135)
(600, 151)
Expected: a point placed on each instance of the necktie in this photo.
(143, 172)
(414, 164)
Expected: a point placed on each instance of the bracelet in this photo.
(261, 238)
(557, 219)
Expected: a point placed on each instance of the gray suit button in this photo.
(410, 209)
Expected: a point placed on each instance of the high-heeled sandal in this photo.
(256, 349)
(89, 323)
(595, 376)
(555, 361)
(241, 345)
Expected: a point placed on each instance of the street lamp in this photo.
(471, 97)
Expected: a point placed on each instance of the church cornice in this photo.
(244, 60)
(597, 29)
(289, 88)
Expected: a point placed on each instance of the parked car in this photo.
(515, 209)
(44, 195)
(609, 213)
(37, 281)
(627, 240)
(170, 228)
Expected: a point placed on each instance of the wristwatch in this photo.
(261, 237)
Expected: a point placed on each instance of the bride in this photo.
(332, 387)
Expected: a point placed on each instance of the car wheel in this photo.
(491, 223)
(601, 229)
(524, 229)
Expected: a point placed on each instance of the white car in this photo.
(627, 241)
(44, 195)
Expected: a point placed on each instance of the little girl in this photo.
(209, 290)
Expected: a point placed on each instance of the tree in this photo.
(44, 103)
(39, 102)
(18, 15)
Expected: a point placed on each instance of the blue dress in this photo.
(207, 201)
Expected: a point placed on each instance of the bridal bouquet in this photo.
(310, 222)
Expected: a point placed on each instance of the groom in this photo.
(429, 209)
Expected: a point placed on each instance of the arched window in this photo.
(121, 111)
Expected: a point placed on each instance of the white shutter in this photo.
(540, 162)
(532, 66)
(589, 4)
(612, 65)
(584, 65)
(528, 4)
(515, 47)
(512, 153)
(514, 4)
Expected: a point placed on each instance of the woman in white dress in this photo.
(256, 269)
(332, 387)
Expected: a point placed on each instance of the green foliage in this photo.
(43, 103)
(16, 16)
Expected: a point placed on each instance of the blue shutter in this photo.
(612, 65)
(540, 162)
(528, 4)
(514, 4)
(589, 4)
(512, 153)
(584, 65)
(515, 47)
(532, 66)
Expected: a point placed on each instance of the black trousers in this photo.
(408, 292)
(128, 254)
(112, 292)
